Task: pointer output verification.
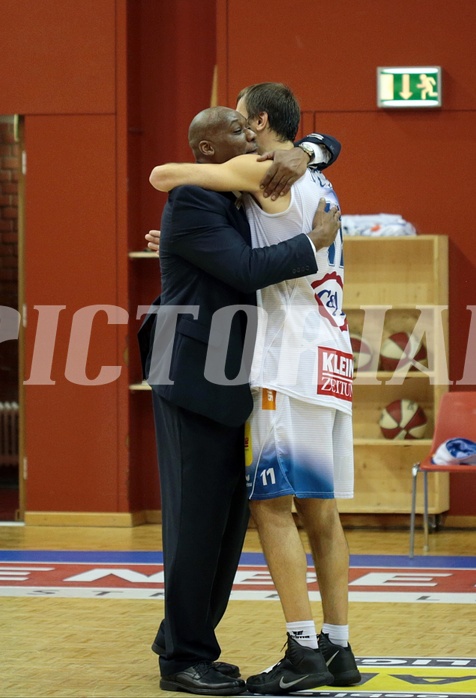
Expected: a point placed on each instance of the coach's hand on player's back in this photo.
(326, 225)
(153, 240)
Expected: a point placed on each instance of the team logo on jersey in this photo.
(334, 373)
(328, 294)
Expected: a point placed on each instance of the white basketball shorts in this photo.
(297, 448)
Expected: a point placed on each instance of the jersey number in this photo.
(268, 473)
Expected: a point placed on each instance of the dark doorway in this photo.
(9, 297)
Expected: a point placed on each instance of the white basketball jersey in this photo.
(303, 346)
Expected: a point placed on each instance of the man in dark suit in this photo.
(198, 369)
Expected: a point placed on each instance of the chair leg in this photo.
(415, 471)
(426, 546)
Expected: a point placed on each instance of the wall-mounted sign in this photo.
(409, 87)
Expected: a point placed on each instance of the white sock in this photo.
(304, 632)
(338, 634)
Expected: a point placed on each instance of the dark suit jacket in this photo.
(207, 262)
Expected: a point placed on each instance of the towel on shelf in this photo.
(457, 451)
(376, 225)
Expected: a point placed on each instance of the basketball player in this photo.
(300, 434)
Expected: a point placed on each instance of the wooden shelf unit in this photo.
(390, 285)
(143, 254)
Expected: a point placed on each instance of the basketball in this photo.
(361, 349)
(401, 348)
(403, 419)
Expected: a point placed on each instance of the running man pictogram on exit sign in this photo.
(409, 87)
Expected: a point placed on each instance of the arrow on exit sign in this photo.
(409, 87)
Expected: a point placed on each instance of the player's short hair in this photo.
(280, 104)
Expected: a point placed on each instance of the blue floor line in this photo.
(155, 558)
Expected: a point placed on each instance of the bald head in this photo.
(206, 124)
(218, 134)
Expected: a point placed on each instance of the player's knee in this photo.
(266, 511)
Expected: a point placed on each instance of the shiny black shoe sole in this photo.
(171, 685)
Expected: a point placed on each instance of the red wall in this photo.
(419, 164)
(177, 56)
(172, 53)
(58, 56)
(72, 430)
(58, 69)
(107, 90)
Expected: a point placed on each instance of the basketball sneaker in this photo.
(300, 668)
(340, 662)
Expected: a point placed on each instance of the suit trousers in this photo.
(204, 519)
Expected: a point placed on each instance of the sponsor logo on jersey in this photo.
(268, 399)
(334, 373)
(248, 446)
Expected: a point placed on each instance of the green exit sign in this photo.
(409, 87)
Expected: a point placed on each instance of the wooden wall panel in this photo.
(58, 56)
(328, 52)
(108, 89)
(72, 436)
(177, 52)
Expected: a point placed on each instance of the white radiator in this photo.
(8, 433)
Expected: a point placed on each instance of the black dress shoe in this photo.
(223, 667)
(204, 679)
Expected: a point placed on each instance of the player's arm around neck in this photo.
(242, 173)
